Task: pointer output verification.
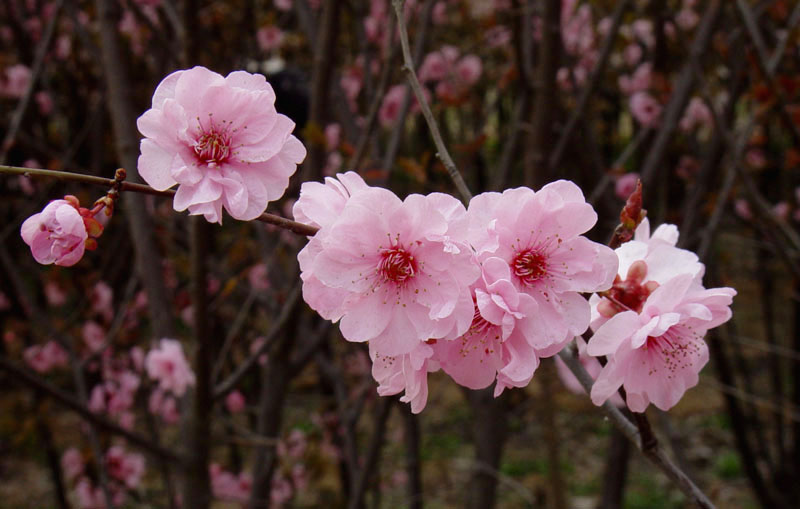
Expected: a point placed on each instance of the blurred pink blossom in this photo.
(235, 402)
(169, 367)
(645, 109)
(45, 358)
(626, 185)
(15, 81)
(269, 38)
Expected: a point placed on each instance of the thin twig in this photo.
(408, 67)
(282, 222)
(655, 455)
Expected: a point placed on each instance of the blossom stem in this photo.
(281, 222)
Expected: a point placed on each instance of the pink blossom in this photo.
(333, 164)
(163, 405)
(390, 107)
(255, 346)
(281, 491)
(125, 467)
(652, 328)
(89, 497)
(645, 109)
(72, 464)
(351, 81)
(781, 210)
(294, 446)
(333, 135)
(269, 38)
(626, 185)
(15, 81)
(439, 14)
(632, 54)
(407, 372)
(102, 299)
(45, 358)
(257, 277)
(500, 343)
(235, 402)
(57, 234)
(45, 102)
(469, 69)
(168, 365)
(221, 140)
(687, 18)
(395, 272)
(434, 67)
(498, 36)
(696, 114)
(93, 335)
(539, 236)
(282, 5)
(755, 157)
(643, 30)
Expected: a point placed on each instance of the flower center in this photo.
(213, 147)
(529, 266)
(397, 265)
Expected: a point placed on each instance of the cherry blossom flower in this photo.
(45, 358)
(169, 366)
(269, 38)
(395, 272)
(221, 140)
(645, 108)
(651, 324)
(235, 402)
(696, 114)
(539, 236)
(625, 185)
(407, 372)
(499, 342)
(469, 69)
(57, 234)
(15, 81)
(125, 467)
(93, 335)
(72, 463)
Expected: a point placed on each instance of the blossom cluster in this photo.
(481, 293)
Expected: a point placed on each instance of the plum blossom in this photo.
(645, 108)
(625, 185)
(651, 324)
(235, 402)
(269, 38)
(539, 236)
(15, 81)
(44, 358)
(221, 140)
(408, 372)
(57, 234)
(696, 114)
(72, 463)
(396, 273)
(127, 468)
(500, 341)
(169, 366)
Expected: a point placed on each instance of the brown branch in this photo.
(408, 67)
(286, 224)
(655, 455)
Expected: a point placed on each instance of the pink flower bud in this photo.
(56, 235)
